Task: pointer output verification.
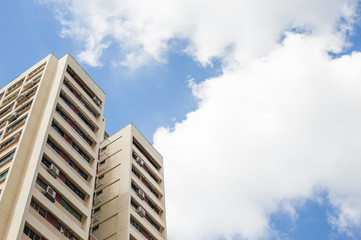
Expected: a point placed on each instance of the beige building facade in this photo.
(129, 194)
(61, 175)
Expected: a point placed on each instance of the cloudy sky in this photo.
(255, 105)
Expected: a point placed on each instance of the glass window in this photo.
(24, 107)
(41, 183)
(15, 85)
(16, 124)
(74, 188)
(3, 175)
(68, 160)
(70, 209)
(46, 162)
(8, 142)
(7, 157)
(11, 97)
(30, 233)
(77, 112)
(57, 129)
(36, 70)
(42, 212)
(6, 109)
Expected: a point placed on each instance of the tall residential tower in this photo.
(61, 175)
(129, 195)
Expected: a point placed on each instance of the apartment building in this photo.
(61, 175)
(129, 191)
(51, 125)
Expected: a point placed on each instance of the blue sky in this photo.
(262, 133)
(33, 33)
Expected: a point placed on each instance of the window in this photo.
(145, 182)
(133, 204)
(60, 199)
(6, 109)
(60, 226)
(152, 206)
(37, 208)
(86, 121)
(7, 157)
(24, 107)
(42, 212)
(145, 153)
(135, 188)
(41, 183)
(146, 199)
(2, 122)
(77, 95)
(46, 162)
(67, 182)
(152, 222)
(57, 129)
(64, 230)
(3, 175)
(135, 173)
(74, 189)
(67, 159)
(37, 69)
(81, 152)
(141, 229)
(80, 115)
(83, 136)
(83, 86)
(37, 78)
(70, 209)
(85, 176)
(147, 169)
(11, 97)
(16, 124)
(15, 85)
(34, 205)
(31, 92)
(8, 142)
(97, 209)
(53, 146)
(65, 100)
(30, 233)
(61, 114)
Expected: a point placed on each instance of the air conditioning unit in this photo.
(141, 194)
(50, 194)
(96, 101)
(17, 135)
(141, 211)
(12, 117)
(21, 98)
(140, 161)
(29, 85)
(53, 170)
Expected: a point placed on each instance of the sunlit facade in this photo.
(61, 175)
(129, 194)
(51, 124)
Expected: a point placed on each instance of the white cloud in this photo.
(265, 138)
(280, 125)
(141, 30)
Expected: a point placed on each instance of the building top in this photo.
(68, 55)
